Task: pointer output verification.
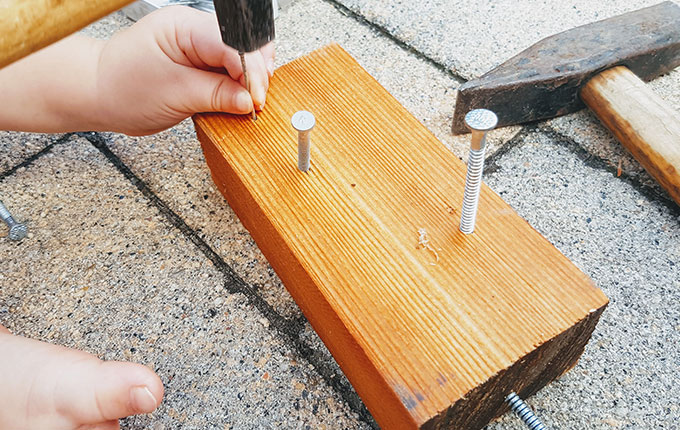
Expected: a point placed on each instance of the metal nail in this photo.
(524, 412)
(246, 79)
(303, 122)
(17, 230)
(480, 122)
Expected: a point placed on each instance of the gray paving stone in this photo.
(107, 26)
(103, 271)
(173, 166)
(16, 147)
(630, 246)
(470, 38)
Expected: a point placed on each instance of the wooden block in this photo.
(430, 338)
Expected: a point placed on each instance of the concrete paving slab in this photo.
(105, 272)
(630, 246)
(16, 147)
(107, 26)
(173, 166)
(470, 38)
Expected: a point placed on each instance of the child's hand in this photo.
(173, 63)
(168, 66)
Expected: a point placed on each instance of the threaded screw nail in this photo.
(524, 412)
(480, 122)
(17, 230)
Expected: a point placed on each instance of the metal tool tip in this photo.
(481, 120)
(303, 120)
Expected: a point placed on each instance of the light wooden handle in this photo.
(28, 25)
(641, 120)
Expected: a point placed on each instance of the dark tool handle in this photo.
(641, 120)
(28, 25)
(246, 25)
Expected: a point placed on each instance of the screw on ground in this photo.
(17, 230)
(524, 412)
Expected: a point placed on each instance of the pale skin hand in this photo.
(165, 68)
(45, 387)
(168, 66)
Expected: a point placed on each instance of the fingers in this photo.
(268, 54)
(107, 391)
(69, 388)
(258, 76)
(212, 92)
(200, 43)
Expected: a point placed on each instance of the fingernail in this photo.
(143, 400)
(270, 67)
(260, 96)
(243, 102)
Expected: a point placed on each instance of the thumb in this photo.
(212, 92)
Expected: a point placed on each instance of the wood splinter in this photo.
(424, 243)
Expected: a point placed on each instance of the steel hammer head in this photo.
(544, 80)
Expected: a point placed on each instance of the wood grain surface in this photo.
(641, 120)
(430, 338)
(29, 25)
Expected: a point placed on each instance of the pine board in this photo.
(427, 342)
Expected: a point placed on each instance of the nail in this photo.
(17, 230)
(246, 80)
(524, 412)
(303, 122)
(143, 400)
(479, 121)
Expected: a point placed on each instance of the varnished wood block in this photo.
(430, 338)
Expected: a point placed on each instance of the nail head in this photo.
(17, 232)
(303, 120)
(481, 120)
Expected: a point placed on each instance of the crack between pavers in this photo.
(399, 42)
(32, 158)
(588, 158)
(491, 163)
(290, 330)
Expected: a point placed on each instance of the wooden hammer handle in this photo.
(28, 25)
(641, 120)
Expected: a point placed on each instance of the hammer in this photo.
(602, 65)
(28, 25)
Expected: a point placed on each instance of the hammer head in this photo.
(544, 80)
(246, 25)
